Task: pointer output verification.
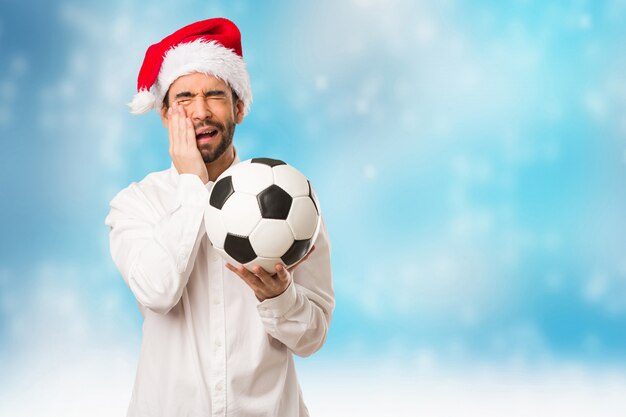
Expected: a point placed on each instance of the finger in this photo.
(245, 275)
(174, 129)
(282, 274)
(182, 128)
(236, 270)
(169, 131)
(268, 280)
(190, 133)
(170, 139)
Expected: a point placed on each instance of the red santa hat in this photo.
(210, 46)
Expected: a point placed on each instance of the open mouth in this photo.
(206, 133)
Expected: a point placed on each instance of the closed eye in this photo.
(183, 97)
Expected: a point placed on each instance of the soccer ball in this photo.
(262, 212)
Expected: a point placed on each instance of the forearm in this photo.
(296, 320)
(160, 270)
(155, 252)
(300, 317)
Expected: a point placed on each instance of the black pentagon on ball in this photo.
(267, 161)
(298, 249)
(221, 191)
(274, 203)
(313, 197)
(239, 248)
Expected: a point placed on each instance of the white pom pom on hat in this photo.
(142, 102)
(211, 46)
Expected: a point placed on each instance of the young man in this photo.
(217, 340)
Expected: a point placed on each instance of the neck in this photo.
(215, 168)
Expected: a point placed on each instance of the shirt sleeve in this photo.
(300, 317)
(154, 249)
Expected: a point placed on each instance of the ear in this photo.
(164, 118)
(239, 111)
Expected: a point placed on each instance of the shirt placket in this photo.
(218, 335)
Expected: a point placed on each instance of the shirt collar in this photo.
(174, 173)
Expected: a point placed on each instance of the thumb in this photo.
(282, 273)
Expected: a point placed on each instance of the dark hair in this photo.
(166, 99)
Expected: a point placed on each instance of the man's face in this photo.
(208, 102)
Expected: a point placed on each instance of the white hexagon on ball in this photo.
(240, 214)
(291, 180)
(303, 218)
(252, 179)
(269, 264)
(271, 238)
(214, 227)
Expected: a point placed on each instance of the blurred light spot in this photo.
(362, 106)
(554, 281)
(321, 83)
(46, 121)
(595, 288)
(472, 224)
(596, 105)
(409, 119)
(365, 3)
(471, 170)
(5, 116)
(121, 29)
(19, 65)
(469, 316)
(554, 110)
(457, 349)
(67, 89)
(551, 241)
(592, 343)
(370, 172)
(551, 151)
(7, 90)
(425, 359)
(424, 32)
(584, 22)
(442, 125)
(469, 78)
(79, 64)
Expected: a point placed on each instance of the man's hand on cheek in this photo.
(182, 139)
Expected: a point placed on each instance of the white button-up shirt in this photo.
(210, 348)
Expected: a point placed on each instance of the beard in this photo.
(211, 152)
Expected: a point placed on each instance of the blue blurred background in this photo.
(470, 159)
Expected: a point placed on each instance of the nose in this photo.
(199, 109)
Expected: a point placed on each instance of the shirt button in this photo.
(216, 301)
(218, 386)
(218, 344)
